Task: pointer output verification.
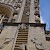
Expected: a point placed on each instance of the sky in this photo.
(45, 12)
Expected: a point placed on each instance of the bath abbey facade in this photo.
(20, 26)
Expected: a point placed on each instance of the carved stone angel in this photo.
(38, 44)
(6, 41)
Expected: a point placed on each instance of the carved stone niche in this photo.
(36, 5)
(17, 5)
(16, 12)
(14, 18)
(6, 10)
(36, 1)
(36, 12)
(37, 19)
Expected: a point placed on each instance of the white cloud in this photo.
(44, 21)
(41, 19)
(47, 26)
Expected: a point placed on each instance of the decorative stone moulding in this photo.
(6, 9)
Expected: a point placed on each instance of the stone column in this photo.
(32, 10)
(7, 37)
(21, 12)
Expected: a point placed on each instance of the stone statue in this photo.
(38, 44)
(22, 26)
(6, 41)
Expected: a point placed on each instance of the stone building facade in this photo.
(20, 26)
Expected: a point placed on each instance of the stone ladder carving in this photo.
(21, 38)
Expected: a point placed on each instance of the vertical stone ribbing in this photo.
(32, 11)
(21, 12)
(26, 13)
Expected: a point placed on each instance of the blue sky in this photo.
(45, 12)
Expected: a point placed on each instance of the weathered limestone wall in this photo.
(7, 37)
(38, 33)
(48, 44)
